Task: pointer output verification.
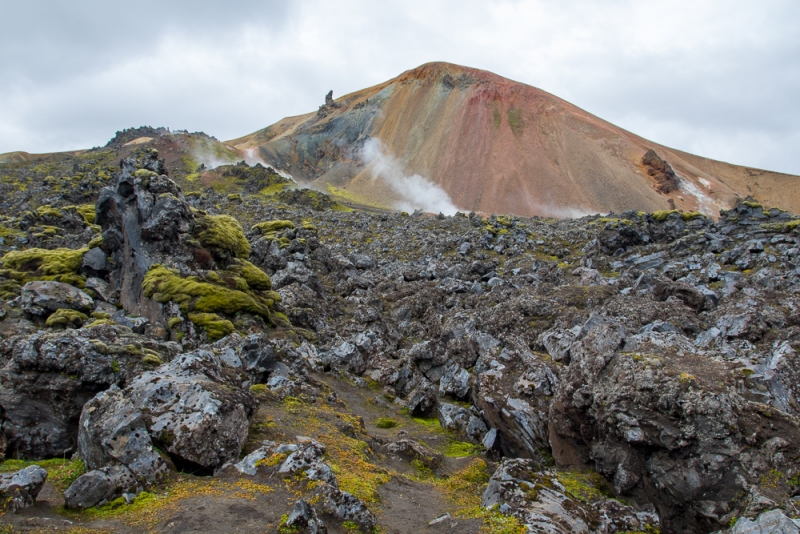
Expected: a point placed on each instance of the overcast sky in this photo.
(716, 78)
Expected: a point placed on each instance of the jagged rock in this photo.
(95, 261)
(683, 436)
(113, 432)
(50, 376)
(346, 507)
(100, 486)
(517, 410)
(454, 381)
(43, 298)
(774, 522)
(411, 450)
(144, 218)
(102, 289)
(537, 497)
(194, 408)
(19, 489)
(661, 171)
(308, 459)
(304, 516)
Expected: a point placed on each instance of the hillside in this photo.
(495, 146)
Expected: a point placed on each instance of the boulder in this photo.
(51, 375)
(113, 432)
(774, 522)
(195, 409)
(19, 489)
(304, 516)
(100, 486)
(43, 298)
(539, 499)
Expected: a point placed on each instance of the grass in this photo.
(385, 422)
(60, 472)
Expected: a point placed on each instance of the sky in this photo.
(716, 78)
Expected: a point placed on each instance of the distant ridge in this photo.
(496, 145)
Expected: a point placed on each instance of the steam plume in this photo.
(416, 192)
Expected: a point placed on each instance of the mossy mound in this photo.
(273, 227)
(661, 215)
(215, 326)
(244, 288)
(48, 262)
(65, 318)
(222, 234)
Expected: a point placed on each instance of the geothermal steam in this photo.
(415, 191)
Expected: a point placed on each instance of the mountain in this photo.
(496, 146)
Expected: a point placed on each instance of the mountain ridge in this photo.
(496, 145)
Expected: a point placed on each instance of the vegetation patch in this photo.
(197, 295)
(47, 262)
(215, 326)
(223, 234)
(461, 449)
(66, 317)
(60, 472)
(385, 422)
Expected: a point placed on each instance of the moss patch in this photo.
(272, 227)
(66, 317)
(222, 234)
(201, 296)
(48, 262)
(214, 326)
(385, 422)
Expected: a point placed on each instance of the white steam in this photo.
(416, 192)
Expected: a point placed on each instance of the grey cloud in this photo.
(718, 78)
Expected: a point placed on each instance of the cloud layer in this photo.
(717, 78)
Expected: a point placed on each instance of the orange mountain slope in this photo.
(497, 146)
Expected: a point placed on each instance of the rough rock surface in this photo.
(43, 298)
(19, 490)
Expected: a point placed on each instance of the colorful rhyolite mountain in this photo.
(496, 146)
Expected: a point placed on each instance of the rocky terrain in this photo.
(189, 350)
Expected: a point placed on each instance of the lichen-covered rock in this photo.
(43, 298)
(113, 432)
(50, 376)
(19, 489)
(195, 409)
(774, 521)
(546, 500)
(100, 486)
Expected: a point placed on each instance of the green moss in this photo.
(48, 211)
(48, 262)
(222, 233)
(385, 422)
(274, 189)
(585, 486)
(193, 294)
(60, 472)
(255, 277)
(10, 232)
(100, 322)
(214, 326)
(661, 215)
(461, 449)
(100, 315)
(258, 389)
(308, 225)
(752, 204)
(689, 215)
(173, 322)
(65, 317)
(151, 357)
(787, 226)
(272, 227)
(88, 212)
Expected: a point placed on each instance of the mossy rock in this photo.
(48, 262)
(87, 211)
(272, 227)
(215, 326)
(222, 234)
(255, 277)
(65, 318)
(661, 215)
(196, 295)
